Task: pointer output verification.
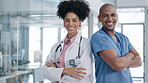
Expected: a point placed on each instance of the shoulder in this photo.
(121, 35)
(85, 40)
(99, 36)
(56, 45)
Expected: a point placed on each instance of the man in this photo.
(113, 52)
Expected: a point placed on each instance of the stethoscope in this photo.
(72, 62)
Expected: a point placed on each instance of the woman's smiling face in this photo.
(72, 23)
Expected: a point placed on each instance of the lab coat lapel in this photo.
(72, 50)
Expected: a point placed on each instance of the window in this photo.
(34, 41)
(50, 37)
(131, 15)
(131, 24)
(135, 34)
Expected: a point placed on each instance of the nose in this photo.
(70, 23)
(110, 18)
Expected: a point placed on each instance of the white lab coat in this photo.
(54, 74)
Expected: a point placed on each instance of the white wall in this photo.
(96, 4)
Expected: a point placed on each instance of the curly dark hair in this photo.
(79, 7)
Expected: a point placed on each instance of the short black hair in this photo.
(105, 5)
(79, 7)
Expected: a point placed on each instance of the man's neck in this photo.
(110, 32)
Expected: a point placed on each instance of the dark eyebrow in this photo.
(114, 13)
(75, 18)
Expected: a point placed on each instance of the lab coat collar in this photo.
(77, 39)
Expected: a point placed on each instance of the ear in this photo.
(64, 25)
(80, 24)
(117, 16)
(99, 18)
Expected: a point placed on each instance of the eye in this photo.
(105, 15)
(74, 20)
(113, 15)
(67, 20)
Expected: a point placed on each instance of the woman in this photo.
(70, 59)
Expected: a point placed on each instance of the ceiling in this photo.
(43, 12)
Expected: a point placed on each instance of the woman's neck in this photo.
(70, 35)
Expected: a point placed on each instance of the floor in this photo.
(29, 79)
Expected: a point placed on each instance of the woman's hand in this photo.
(75, 72)
(50, 64)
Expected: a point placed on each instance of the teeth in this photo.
(71, 28)
(110, 23)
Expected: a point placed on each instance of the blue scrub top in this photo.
(104, 73)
